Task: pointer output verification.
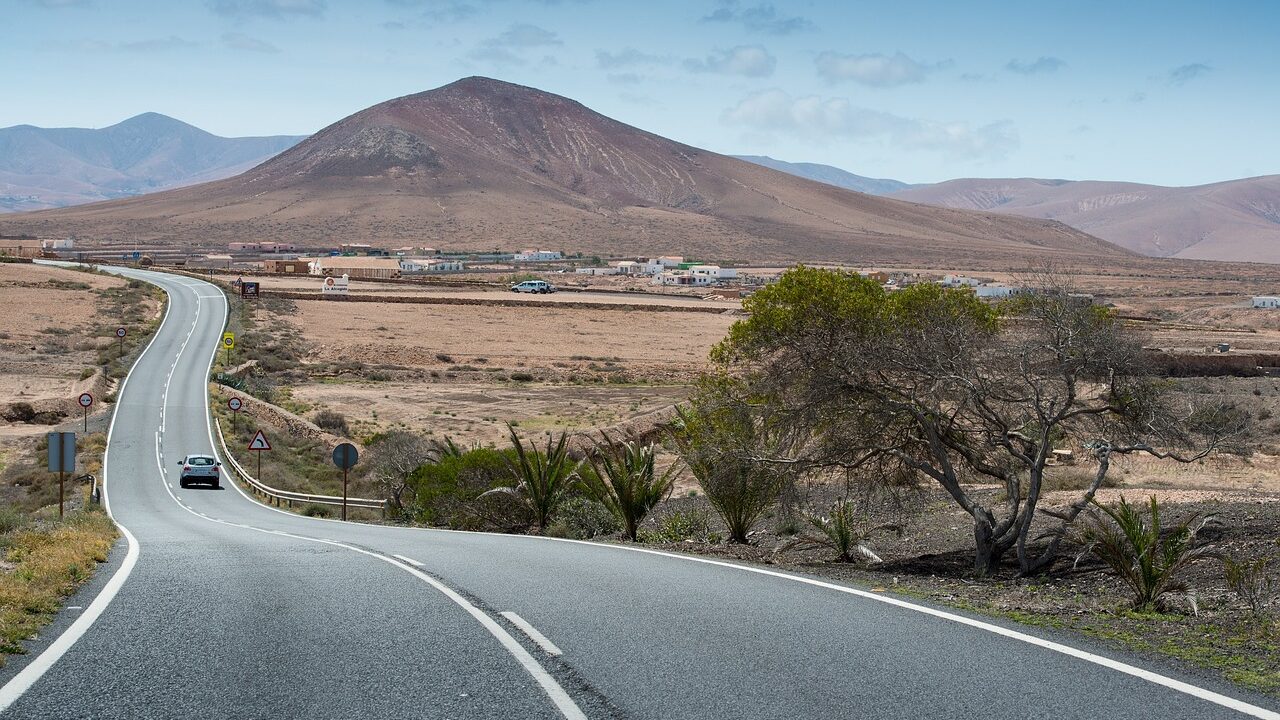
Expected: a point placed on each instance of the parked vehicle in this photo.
(200, 469)
(533, 286)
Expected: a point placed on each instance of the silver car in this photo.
(200, 469)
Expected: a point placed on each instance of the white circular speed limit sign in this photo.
(234, 404)
(120, 332)
(86, 400)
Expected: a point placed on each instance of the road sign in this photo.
(121, 332)
(62, 460)
(249, 290)
(86, 400)
(228, 340)
(235, 404)
(137, 254)
(259, 442)
(62, 452)
(345, 456)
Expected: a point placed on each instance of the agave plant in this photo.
(626, 481)
(844, 531)
(544, 479)
(1149, 558)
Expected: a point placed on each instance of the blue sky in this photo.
(1174, 93)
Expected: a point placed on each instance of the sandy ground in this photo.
(46, 331)
(479, 412)
(648, 344)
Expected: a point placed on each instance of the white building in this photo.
(428, 265)
(684, 277)
(597, 271)
(629, 267)
(538, 255)
(1266, 301)
(994, 291)
(960, 281)
(58, 243)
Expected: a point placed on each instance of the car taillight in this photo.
(215, 469)
(186, 468)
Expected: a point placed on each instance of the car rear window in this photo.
(200, 461)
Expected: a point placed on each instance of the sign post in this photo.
(228, 342)
(120, 333)
(345, 457)
(85, 401)
(235, 404)
(62, 460)
(258, 444)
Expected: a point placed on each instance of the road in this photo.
(227, 608)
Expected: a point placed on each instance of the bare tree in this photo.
(937, 383)
(397, 455)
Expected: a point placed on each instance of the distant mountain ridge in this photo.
(482, 163)
(830, 175)
(1237, 220)
(56, 167)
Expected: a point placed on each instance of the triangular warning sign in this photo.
(259, 442)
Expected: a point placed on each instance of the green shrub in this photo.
(682, 525)
(316, 510)
(11, 519)
(1149, 558)
(582, 518)
(447, 492)
(333, 422)
(1252, 582)
(544, 479)
(625, 480)
(522, 377)
(87, 373)
(844, 530)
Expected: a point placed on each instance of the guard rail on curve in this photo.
(288, 496)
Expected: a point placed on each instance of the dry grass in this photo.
(47, 564)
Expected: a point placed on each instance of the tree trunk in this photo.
(987, 551)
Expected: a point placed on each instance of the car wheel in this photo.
(182, 483)
(217, 485)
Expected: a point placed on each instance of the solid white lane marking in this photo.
(34, 670)
(409, 560)
(561, 699)
(538, 638)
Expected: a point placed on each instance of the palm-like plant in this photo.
(626, 481)
(843, 531)
(544, 479)
(1149, 558)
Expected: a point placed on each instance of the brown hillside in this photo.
(482, 164)
(1237, 220)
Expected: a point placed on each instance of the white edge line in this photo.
(565, 704)
(1134, 671)
(528, 629)
(34, 670)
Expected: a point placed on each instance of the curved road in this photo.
(227, 608)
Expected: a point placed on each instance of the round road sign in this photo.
(120, 332)
(234, 404)
(86, 400)
(345, 456)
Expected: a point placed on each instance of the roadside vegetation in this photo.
(44, 559)
(920, 442)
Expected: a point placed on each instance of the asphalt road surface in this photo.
(223, 607)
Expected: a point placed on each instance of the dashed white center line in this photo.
(538, 638)
(411, 561)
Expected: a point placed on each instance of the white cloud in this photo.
(762, 18)
(873, 69)
(817, 118)
(746, 60)
(1041, 65)
(524, 35)
(1183, 74)
(626, 57)
(240, 41)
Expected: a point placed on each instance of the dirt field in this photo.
(52, 339)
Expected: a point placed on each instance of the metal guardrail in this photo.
(277, 497)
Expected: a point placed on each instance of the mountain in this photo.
(830, 175)
(56, 167)
(1235, 220)
(481, 163)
